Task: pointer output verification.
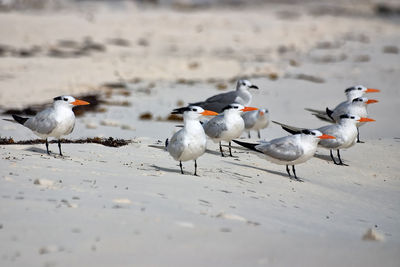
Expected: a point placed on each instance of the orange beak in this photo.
(78, 102)
(365, 119)
(209, 113)
(249, 109)
(326, 136)
(370, 90)
(370, 101)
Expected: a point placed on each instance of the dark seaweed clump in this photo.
(110, 141)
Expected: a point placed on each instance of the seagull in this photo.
(227, 126)
(345, 131)
(256, 120)
(55, 121)
(357, 106)
(241, 96)
(289, 150)
(351, 93)
(189, 143)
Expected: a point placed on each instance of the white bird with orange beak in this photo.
(289, 150)
(189, 143)
(227, 126)
(55, 121)
(345, 131)
(255, 120)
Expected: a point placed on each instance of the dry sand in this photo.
(130, 206)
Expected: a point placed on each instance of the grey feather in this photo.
(282, 148)
(214, 127)
(43, 123)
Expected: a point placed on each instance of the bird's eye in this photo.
(352, 117)
(195, 109)
(312, 133)
(65, 99)
(359, 88)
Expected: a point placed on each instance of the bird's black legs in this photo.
(294, 172)
(180, 165)
(295, 176)
(195, 168)
(248, 134)
(47, 147)
(358, 136)
(220, 149)
(333, 159)
(340, 160)
(258, 133)
(230, 149)
(59, 147)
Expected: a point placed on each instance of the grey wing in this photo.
(215, 127)
(342, 108)
(43, 123)
(217, 102)
(282, 148)
(176, 145)
(249, 118)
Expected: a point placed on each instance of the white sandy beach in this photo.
(130, 206)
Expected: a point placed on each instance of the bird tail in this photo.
(251, 146)
(166, 143)
(19, 119)
(289, 129)
(321, 114)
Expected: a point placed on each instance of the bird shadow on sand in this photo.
(323, 157)
(213, 152)
(37, 150)
(164, 169)
(283, 174)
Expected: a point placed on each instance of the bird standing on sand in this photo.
(189, 143)
(345, 131)
(357, 106)
(255, 120)
(288, 150)
(241, 96)
(55, 121)
(351, 93)
(227, 126)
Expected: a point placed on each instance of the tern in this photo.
(345, 131)
(189, 143)
(241, 96)
(357, 106)
(255, 120)
(227, 126)
(55, 121)
(288, 150)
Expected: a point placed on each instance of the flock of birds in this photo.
(231, 117)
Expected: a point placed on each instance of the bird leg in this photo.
(358, 136)
(333, 159)
(248, 134)
(258, 133)
(59, 147)
(287, 169)
(295, 176)
(195, 168)
(340, 160)
(180, 165)
(230, 150)
(47, 147)
(220, 149)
